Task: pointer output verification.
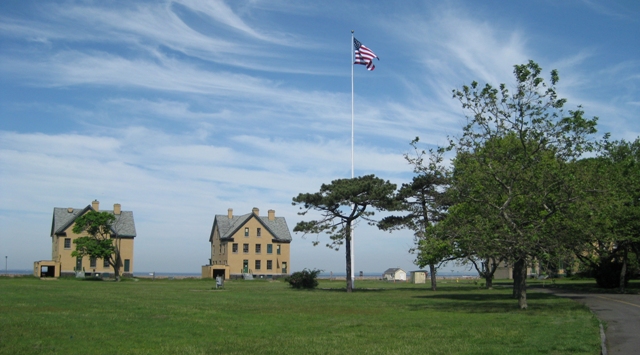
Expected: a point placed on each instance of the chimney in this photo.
(116, 208)
(230, 213)
(256, 211)
(70, 209)
(272, 215)
(95, 205)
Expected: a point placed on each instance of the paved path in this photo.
(620, 312)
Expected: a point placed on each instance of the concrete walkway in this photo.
(620, 312)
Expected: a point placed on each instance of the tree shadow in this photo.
(487, 303)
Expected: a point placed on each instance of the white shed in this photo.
(395, 274)
(419, 276)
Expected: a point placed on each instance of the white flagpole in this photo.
(353, 283)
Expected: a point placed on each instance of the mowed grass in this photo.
(72, 316)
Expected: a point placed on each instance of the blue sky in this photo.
(179, 110)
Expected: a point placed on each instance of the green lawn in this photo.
(72, 316)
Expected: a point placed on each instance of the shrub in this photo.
(304, 279)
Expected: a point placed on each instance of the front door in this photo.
(284, 267)
(245, 267)
(78, 264)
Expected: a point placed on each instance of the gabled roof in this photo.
(227, 227)
(392, 271)
(63, 218)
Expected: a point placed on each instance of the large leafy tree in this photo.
(102, 241)
(609, 217)
(511, 160)
(424, 203)
(341, 203)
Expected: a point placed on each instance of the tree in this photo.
(424, 200)
(102, 242)
(511, 161)
(609, 218)
(475, 236)
(341, 203)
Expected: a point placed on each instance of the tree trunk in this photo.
(623, 272)
(490, 268)
(520, 282)
(348, 251)
(432, 271)
(116, 267)
(118, 259)
(488, 278)
(516, 281)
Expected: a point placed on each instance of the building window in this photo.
(92, 262)
(245, 248)
(269, 265)
(105, 262)
(246, 232)
(269, 248)
(278, 249)
(234, 247)
(127, 265)
(258, 248)
(259, 232)
(67, 243)
(258, 265)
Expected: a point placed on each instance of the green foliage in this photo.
(511, 173)
(95, 248)
(96, 224)
(608, 218)
(307, 279)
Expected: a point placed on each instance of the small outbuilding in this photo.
(46, 268)
(395, 274)
(419, 276)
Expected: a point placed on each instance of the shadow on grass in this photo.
(488, 303)
(590, 286)
(402, 289)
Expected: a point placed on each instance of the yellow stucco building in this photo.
(249, 244)
(62, 245)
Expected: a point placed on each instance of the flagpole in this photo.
(353, 284)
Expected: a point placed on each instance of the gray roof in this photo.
(63, 219)
(227, 227)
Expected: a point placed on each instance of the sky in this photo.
(179, 110)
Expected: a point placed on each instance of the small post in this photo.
(6, 272)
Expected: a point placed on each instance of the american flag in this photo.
(364, 55)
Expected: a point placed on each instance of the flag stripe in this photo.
(364, 55)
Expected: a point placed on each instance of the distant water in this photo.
(16, 272)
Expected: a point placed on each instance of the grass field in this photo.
(70, 316)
